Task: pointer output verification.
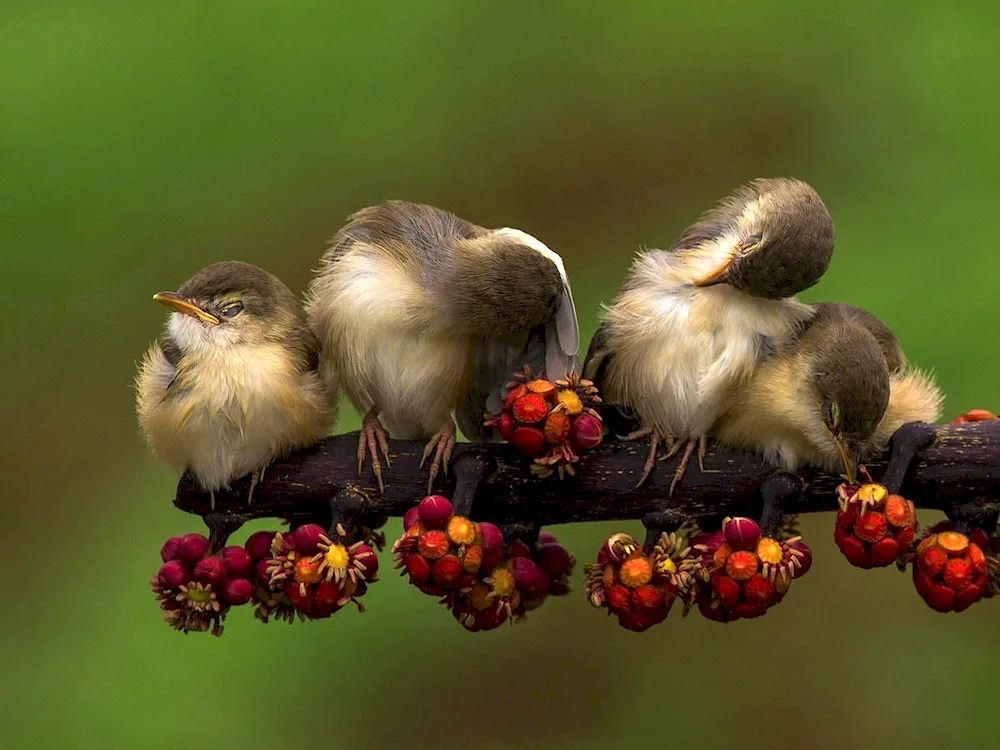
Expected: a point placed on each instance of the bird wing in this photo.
(620, 419)
(552, 348)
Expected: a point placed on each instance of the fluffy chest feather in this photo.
(681, 352)
(228, 413)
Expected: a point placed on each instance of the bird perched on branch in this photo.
(423, 315)
(232, 384)
(832, 397)
(691, 323)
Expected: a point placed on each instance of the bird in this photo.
(692, 322)
(423, 316)
(833, 397)
(232, 384)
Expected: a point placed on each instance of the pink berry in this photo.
(435, 511)
(238, 562)
(211, 571)
(238, 591)
(410, 518)
(519, 549)
(306, 538)
(169, 549)
(545, 537)
(259, 544)
(192, 547)
(366, 556)
(526, 578)
(555, 560)
(741, 533)
(173, 574)
(587, 432)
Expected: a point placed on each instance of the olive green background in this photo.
(139, 143)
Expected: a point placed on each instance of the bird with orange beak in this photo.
(232, 384)
(832, 398)
(692, 323)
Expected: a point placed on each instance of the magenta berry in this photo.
(435, 511)
(519, 549)
(237, 591)
(210, 571)
(306, 538)
(555, 560)
(192, 547)
(526, 573)
(741, 533)
(587, 432)
(410, 518)
(169, 549)
(238, 562)
(365, 556)
(173, 574)
(259, 544)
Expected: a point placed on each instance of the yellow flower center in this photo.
(571, 401)
(337, 556)
(503, 581)
(769, 551)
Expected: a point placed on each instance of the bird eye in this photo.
(232, 309)
(750, 244)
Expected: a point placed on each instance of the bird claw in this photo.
(372, 438)
(255, 478)
(682, 466)
(442, 444)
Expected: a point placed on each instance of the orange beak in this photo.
(182, 304)
(849, 468)
(718, 276)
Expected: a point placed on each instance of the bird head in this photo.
(851, 391)
(771, 238)
(229, 303)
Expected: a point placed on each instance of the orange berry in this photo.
(741, 565)
(636, 572)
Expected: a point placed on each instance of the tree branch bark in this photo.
(962, 466)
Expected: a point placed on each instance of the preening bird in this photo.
(232, 384)
(691, 323)
(423, 315)
(835, 396)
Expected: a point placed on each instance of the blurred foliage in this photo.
(139, 143)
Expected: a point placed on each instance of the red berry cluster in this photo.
(550, 422)
(741, 573)
(464, 563)
(196, 589)
(637, 588)
(313, 574)
(950, 571)
(873, 527)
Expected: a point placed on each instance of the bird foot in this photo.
(372, 438)
(255, 478)
(655, 438)
(442, 444)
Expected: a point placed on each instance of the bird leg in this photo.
(689, 447)
(372, 438)
(255, 478)
(442, 443)
(702, 450)
(654, 444)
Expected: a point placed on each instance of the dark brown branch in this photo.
(961, 467)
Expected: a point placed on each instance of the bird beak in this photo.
(850, 466)
(183, 305)
(717, 276)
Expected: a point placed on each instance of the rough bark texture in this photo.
(960, 468)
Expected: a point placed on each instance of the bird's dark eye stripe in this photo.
(232, 309)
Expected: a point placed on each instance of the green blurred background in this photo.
(138, 144)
